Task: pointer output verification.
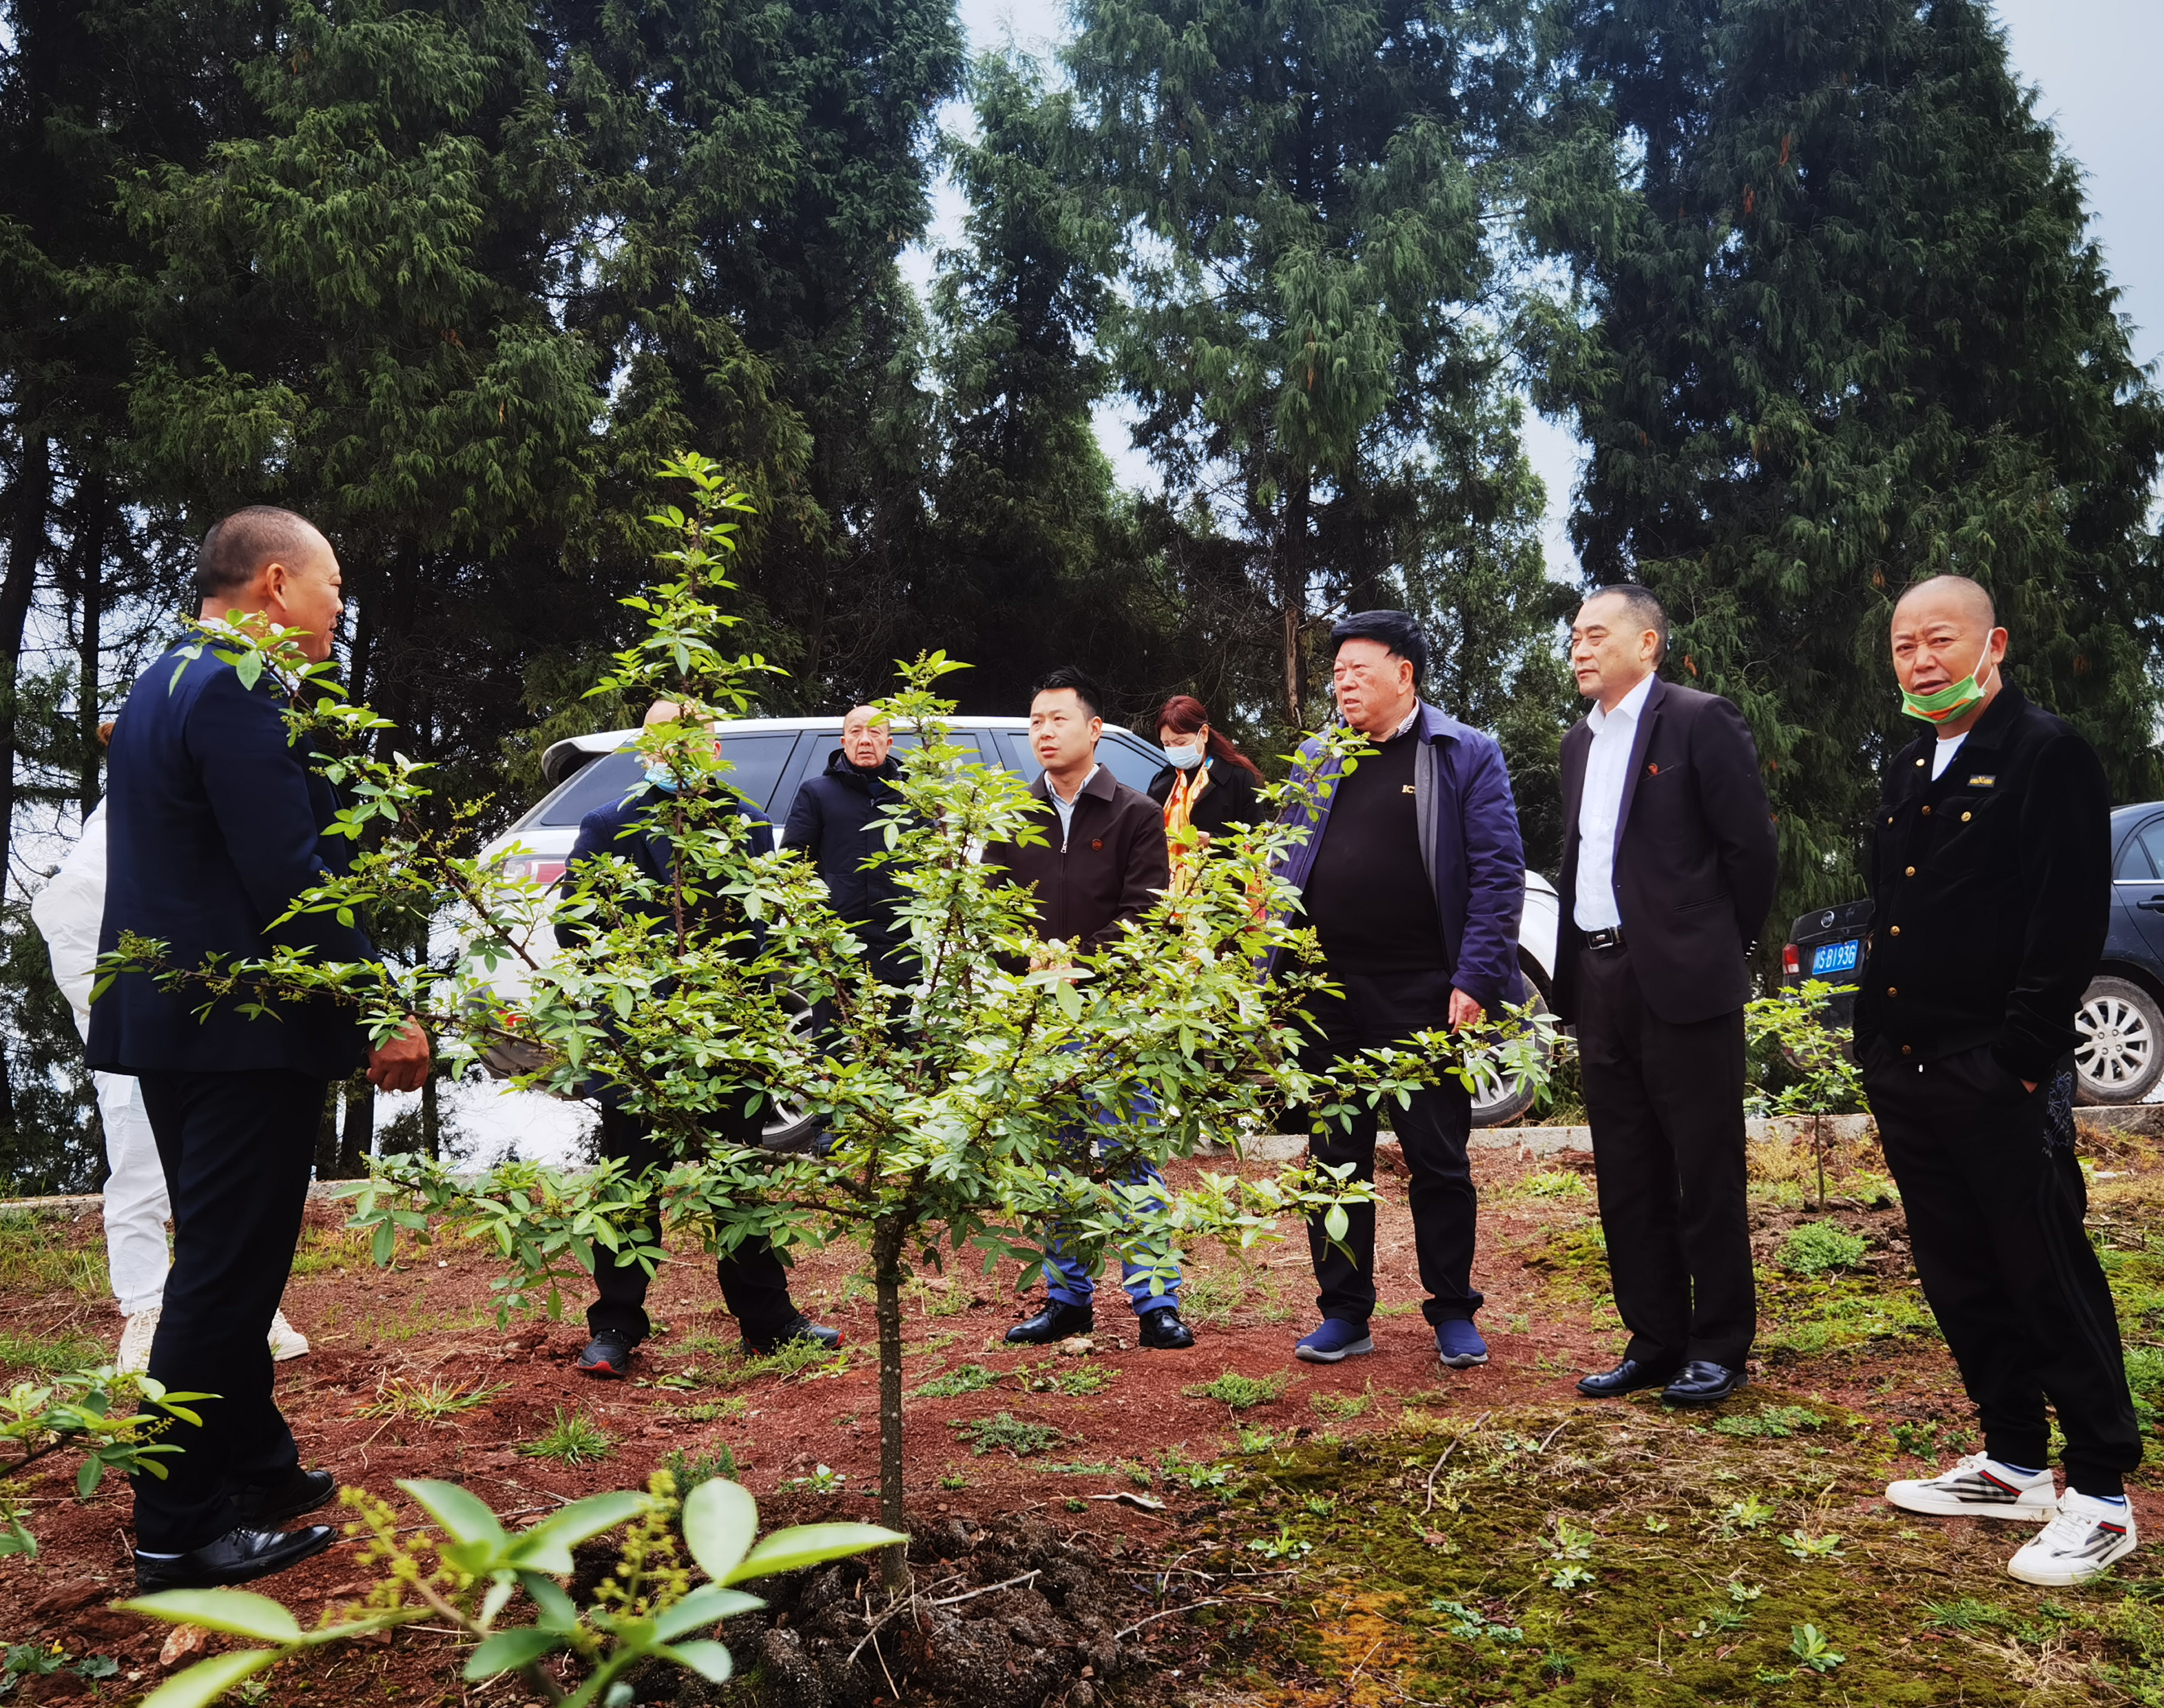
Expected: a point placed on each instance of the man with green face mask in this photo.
(1990, 884)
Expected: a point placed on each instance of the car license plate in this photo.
(1837, 957)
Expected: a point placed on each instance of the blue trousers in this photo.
(1068, 1282)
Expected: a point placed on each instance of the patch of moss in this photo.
(1583, 1558)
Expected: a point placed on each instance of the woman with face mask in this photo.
(1208, 787)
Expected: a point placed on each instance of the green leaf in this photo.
(547, 1546)
(206, 1681)
(510, 1649)
(807, 1545)
(720, 1519)
(88, 1475)
(381, 1247)
(238, 1612)
(463, 1516)
(559, 1613)
(709, 1659)
(708, 1605)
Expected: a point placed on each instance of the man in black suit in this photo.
(215, 824)
(1669, 864)
(754, 1285)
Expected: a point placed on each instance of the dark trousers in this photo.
(754, 1285)
(237, 1149)
(1995, 1226)
(1375, 1010)
(1666, 1103)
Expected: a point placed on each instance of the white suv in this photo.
(771, 757)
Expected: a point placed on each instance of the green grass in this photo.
(1240, 1393)
(573, 1439)
(1769, 1421)
(1555, 1183)
(438, 1402)
(1820, 1247)
(38, 1351)
(691, 1470)
(969, 1379)
(1072, 1377)
(1340, 1408)
(39, 1254)
(1009, 1433)
(726, 1410)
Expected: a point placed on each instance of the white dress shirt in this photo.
(1607, 766)
(1065, 809)
(1942, 755)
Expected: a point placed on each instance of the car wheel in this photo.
(788, 1128)
(1498, 1102)
(2121, 1052)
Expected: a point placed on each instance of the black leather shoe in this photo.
(238, 1557)
(804, 1328)
(1056, 1321)
(265, 1509)
(1699, 1383)
(1626, 1377)
(1161, 1328)
(607, 1355)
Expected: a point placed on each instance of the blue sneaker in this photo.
(1335, 1341)
(1458, 1344)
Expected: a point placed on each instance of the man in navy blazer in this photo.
(1413, 877)
(1669, 864)
(215, 824)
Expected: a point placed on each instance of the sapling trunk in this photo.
(1818, 1146)
(886, 1282)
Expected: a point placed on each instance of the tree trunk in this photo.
(886, 1281)
(1292, 595)
(91, 642)
(431, 1130)
(26, 548)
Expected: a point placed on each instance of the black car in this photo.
(2121, 1019)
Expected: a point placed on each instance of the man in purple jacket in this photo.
(1413, 878)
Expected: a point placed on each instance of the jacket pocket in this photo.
(1719, 901)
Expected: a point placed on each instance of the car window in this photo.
(602, 784)
(1129, 759)
(2150, 840)
(756, 763)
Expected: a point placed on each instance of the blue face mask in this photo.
(661, 777)
(1185, 757)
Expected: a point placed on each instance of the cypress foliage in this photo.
(1841, 327)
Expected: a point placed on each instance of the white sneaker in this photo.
(1979, 1487)
(134, 1357)
(286, 1341)
(2087, 1535)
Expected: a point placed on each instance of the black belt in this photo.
(1608, 937)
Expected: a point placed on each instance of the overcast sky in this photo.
(2095, 64)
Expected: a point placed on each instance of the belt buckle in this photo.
(1608, 937)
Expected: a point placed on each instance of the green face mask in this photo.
(1955, 698)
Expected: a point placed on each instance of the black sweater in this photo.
(1230, 800)
(1990, 893)
(1370, 898)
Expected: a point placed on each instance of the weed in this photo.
(823, 1480)
(1809, 1646)
(1340, 1407)
(1006, 1430)
(709, 1411)
(36, 1352)
(1075, 1503)
(1749, 1513)
(969, 1379)
(954, 1480)
(1472, 1625)
(1178, 1468)
(1775, 1421)
(1927, 1441)
(1720, 1621)
(1072, 1377)
(796, 1358)
(1083, 1470)
(1255, 1441)
(689, 1472)
(1803, 1546)
(1570, 1543)
(573, 1439)
(1965, 1614)
(1555, 1183)
(937, 1295)
(1283, 1546)
(1570, 1575)
(437, 1403)
(36, 1257)
(1817, 1247)
(688, 1379)
(1240, 1393)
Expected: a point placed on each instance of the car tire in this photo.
(1501, 1104)
(2121, 1054)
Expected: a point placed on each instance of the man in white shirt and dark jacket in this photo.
(1990, 869)
(839, 818)
(1669, 864)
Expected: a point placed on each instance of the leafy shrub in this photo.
(1819, 1247)
(1240, 1393)
(1016, 1435)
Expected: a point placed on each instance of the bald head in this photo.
(866, 738)
(1955, 593)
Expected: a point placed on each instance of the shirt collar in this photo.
(1051, 795)
(1627, 708)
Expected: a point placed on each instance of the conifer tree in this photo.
(1842, 326)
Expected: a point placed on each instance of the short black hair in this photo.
(1396, 630)
(1645, 609)
(235, 549)
(1081, 682)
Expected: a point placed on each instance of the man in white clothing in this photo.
(67, 912)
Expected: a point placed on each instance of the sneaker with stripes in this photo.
(2088, 1535)
(1979, 1487)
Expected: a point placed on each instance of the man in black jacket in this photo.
(1990, 887)
(839, 818)
(754, 1285)
(1103, 862)
(215, 825)
(1669, 868)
